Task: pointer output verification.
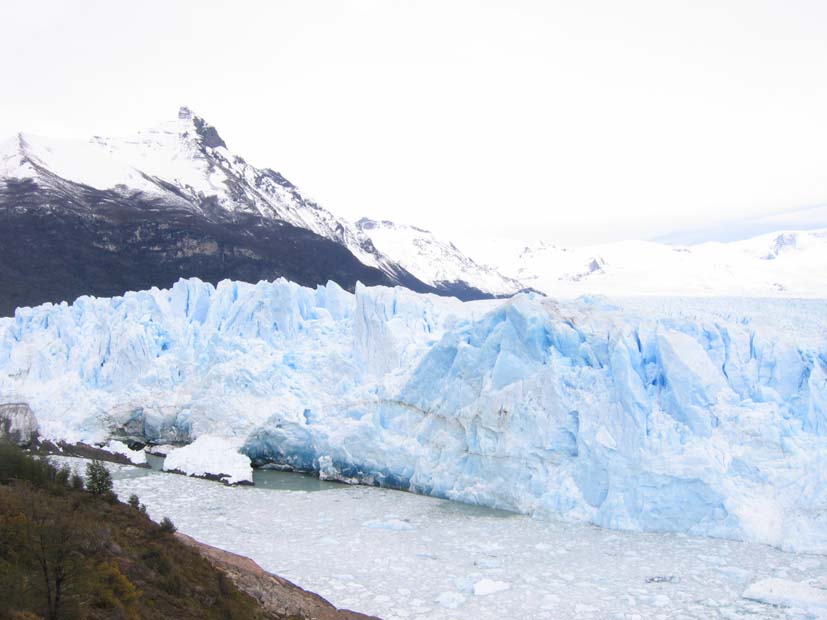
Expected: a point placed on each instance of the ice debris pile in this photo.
(210, 456)
(694, 415)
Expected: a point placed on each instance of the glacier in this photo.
(703, 416)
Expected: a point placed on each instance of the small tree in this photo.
(98, 478)
(63, 475)
(167, 526)
(54, 544)
(77, 482)
(135, 502)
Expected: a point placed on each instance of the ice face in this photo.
(699, 416)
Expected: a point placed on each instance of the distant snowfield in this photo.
(780, 264)
(403, 556)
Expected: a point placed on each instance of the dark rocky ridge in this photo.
(61, 240)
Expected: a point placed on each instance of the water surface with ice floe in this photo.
(405, 556)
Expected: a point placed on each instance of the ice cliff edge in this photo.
(701, 416)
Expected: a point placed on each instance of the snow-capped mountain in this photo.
(115, 214)
(433, 261)
(185, 161)
(780, 264)
(706, 416)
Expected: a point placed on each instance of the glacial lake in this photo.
(403, 556)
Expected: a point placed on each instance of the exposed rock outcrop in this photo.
(275, 594)
(18, 423)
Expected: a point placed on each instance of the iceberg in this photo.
(704, 416)
(136, 457)
(211, 456)
(787, 593)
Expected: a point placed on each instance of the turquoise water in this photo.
(291, 481)
(264, 478)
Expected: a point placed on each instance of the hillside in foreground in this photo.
(69, 553)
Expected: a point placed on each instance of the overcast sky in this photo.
(579, 121)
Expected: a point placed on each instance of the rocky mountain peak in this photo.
(365, 223)
(207, 134)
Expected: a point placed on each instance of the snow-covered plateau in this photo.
(785, 263)
(702, 416)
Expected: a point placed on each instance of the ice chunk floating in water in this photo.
(786, 593)
(211, 456)
(701, 416)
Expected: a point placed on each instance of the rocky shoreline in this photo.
(275, 594)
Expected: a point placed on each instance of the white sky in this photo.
(579, 121)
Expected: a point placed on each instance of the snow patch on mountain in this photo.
(433, 261)
(26, 156)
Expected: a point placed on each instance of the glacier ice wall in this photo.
(692, 415)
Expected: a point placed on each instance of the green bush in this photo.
(17, 465)
(63, 476)
(167, 526)
(153, 556)
(77, 482)
(98, 478)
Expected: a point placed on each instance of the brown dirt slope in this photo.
(275, 594)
